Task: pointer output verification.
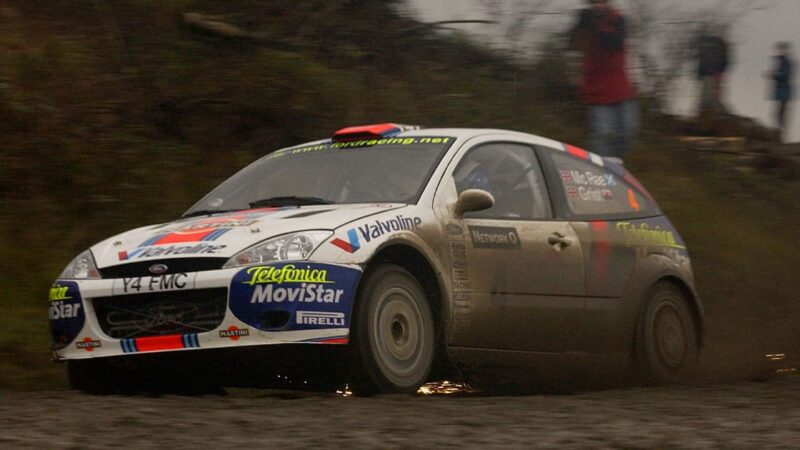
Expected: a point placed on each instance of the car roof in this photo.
(469, 133)
(464, 134)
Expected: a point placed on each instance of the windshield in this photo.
(390, 170)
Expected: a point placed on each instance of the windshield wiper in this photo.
(289, 201)
(206, 212)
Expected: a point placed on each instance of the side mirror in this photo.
(473, 200)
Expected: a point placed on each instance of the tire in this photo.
(393, 334)
(667, 342)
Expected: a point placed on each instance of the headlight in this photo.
(289, 247)
(81, 268)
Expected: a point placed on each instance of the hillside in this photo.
(116, 115)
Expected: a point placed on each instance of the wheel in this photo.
(667, 341)
(393, 334)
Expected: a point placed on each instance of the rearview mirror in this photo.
(472, 200)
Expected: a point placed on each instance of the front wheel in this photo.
(667, 341)
(393, 334)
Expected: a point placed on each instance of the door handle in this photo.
(559, 241)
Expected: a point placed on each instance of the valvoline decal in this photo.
(66, 313)
(294, 296)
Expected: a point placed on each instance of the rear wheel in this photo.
(393, 334)
(667, 341)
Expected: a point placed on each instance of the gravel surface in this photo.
(742, 415)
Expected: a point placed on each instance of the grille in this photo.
(178, 265)
(162, 313)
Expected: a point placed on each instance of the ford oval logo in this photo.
(158, 269)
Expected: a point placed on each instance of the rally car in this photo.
(404, 246)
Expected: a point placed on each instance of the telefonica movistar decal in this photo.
(61, 307)
(58, 293)
(311, 285)
(65, 312)
(286, 274)
(258, 294)
(644, 235)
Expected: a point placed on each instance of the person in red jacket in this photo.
(605, 85)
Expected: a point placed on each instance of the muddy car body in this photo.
(404, 246)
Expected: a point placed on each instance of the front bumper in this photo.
(289, 302)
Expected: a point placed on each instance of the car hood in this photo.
(224, 235)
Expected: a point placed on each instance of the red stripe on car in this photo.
(601, 253)
(155, 343)
(575, 151)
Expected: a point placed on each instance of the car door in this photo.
(523, 269)
(617, 223)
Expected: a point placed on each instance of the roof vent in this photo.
(375, 131)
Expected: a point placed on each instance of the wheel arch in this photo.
(648, 272)
(409, 256)
(694, 304)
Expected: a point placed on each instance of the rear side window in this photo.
(593, 192)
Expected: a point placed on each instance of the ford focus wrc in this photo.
(403, 246)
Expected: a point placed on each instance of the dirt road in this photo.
(743, 415)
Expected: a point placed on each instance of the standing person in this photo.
(782, 75)
(712, 63)
(605, 86)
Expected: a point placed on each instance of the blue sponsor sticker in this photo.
(294, 296)
(66, 313)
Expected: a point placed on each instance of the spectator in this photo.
(605, 86)
(712, 63)
(782, 75)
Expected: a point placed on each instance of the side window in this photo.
(591, 190)
(511, 173)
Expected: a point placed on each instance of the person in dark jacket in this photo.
(605, 85)
(782, 75)
(713, 55)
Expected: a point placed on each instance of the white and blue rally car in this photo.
(404, 246)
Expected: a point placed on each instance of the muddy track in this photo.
(741, 415)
